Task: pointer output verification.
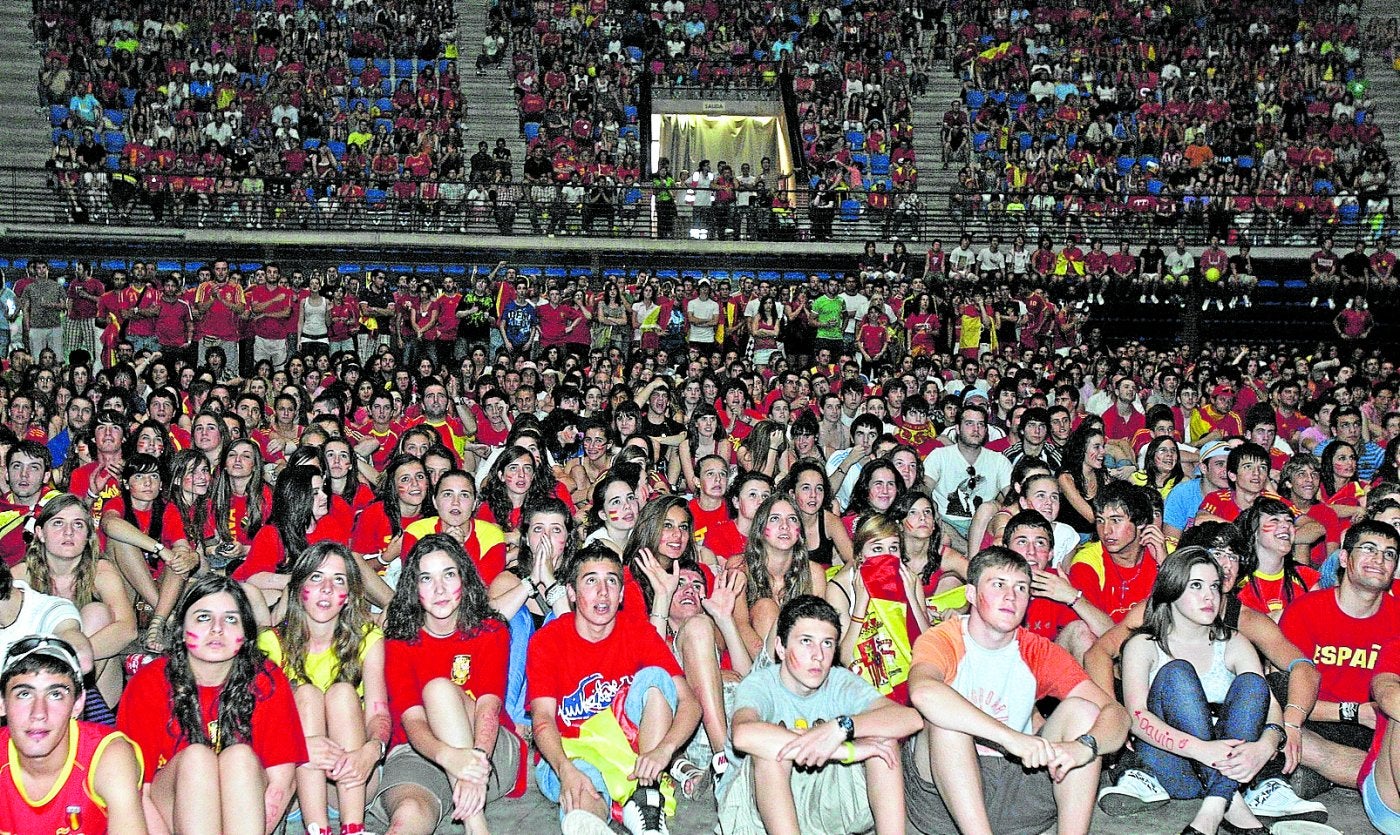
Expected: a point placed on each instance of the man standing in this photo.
(80, 328)
(139, 306)
(174, 322)
(830, 313)
(43, 302)
(702, 314)
(77, 417)
(701, 185)
(1121, 421)
(799, 729)
(219, 302)
(976, 679)
(519, 325)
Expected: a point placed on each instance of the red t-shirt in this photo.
(1046, 617)
(583, 677)
(1265, 592)
(147, 298)
(220, 322)
(172, 526)
(725, 539)
(486, 547)
(475, 663)
(1116, 427)
(172, 321)
(146, 714)
(1344, 648)
(268, 550)
(265, 324)
(1119, 587)
(706, 519)
(372, 531)
(238, 510)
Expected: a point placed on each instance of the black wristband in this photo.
(1348, 712)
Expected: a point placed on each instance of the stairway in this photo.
(936, 182)
(1385, 81)
(491, 109)
(27, 142)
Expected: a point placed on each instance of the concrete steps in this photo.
(938, 182)
(27, 142)
(491, 108)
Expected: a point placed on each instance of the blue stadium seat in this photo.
(850, 210)
(693, 275)
(57, 113)
(580, 272)
(531, 272)
(763, 275)
(557, 273)
(337, 148)
(375, 197)
(629, 113)
(880, 165)
(129, 97)
(382, 64)
(357, 66)
(975, 99)
(855, 138)
(794, 275)
(634, 53)
(385, 104)
(310, 144)
(668, 273)
(403, 67)
(162, 266)
(428, 269)
(532, 132)
(628, 131)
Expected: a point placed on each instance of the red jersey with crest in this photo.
(72, 806)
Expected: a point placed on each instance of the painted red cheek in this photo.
(306, 594)
(457, 595)
(238, 642)
(191, 639)
(342, 597)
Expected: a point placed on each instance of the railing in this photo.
(100, 202)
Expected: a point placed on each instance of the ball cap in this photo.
(1216, 449)
(1223, 388)
(54, 648)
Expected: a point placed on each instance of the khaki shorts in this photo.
(1018, 802)
(405, 765)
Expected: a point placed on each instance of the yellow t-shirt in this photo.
(321, 667)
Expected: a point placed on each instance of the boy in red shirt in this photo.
(583, 669)
(1342, 631)
(1118, 570)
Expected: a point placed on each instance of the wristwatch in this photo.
(849, 726)
(1088, 740)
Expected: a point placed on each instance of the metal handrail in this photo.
(26, 198)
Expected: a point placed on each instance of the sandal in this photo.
(154, 639)
(688, 777)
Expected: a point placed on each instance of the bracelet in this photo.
(850, 753)
(1282, 734)
(383, 749)
(1294, 725)
(1299, 708)
(552, 594)
(1348, 711)
(1077, 598)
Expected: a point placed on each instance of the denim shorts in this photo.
(1383, 818)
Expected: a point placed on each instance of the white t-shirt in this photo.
(955, 492)
(701, 309)
(39, 614)
(856, 306)
(701, 181)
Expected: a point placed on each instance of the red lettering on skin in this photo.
(191, 640)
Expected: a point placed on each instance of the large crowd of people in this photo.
(375, 548)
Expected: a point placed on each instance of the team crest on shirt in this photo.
(461, 669)
(213, 730)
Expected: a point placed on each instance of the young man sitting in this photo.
(578, 668)
(62, 775)
(799, 727)
(981, 765)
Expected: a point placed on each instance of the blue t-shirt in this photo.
(520, 319)
(1182, 503)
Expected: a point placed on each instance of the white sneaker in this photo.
(1220, 306)
(1100, 296)
(1143, 299)
(1247, 302)
(1154, 299)
(643, 813)
(1205, 305)
(1135, 791)
(579, 822)
(1275, 799)
(1233, 301)
(1331, 305)
(1313, 303)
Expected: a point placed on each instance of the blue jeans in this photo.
(1382, 817)
(646, 679)
(1177, 697)
(522, 626)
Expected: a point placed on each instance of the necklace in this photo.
(436, 635)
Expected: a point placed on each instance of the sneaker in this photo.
(1154, 298)
(1100, 298)
(1331, 305)
(1135, 791)
(1205, 305)
(1275, 799)
(643, 813)
(1307, 783)
(1234, 300)
(579, 822)
(1220, 306)
(1313, 303)
(1247, 302)
(1143, 299)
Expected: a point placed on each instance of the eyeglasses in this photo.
(1370, 549)
(1224, 555)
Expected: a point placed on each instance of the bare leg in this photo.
(885, 788)
(345, 717)
(310, 780)
(774, 796)
(763, 615)
(1074, 795)
(108, 671)
(1076, 638)
(186, 791)
(1388, 766)
(241, 778)
(171, 584)
(656, 721)
(132, 564)
(1338, 763)
(953, 767)
(697, 649)
(450, 712)
(412, 810)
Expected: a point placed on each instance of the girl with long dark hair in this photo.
(827, 540)
(615, 507)
(240, 502)
(878, 485)
(188, 488)
(514, 479)
(1197, 690)
(299, 504)
(1272, 579)
(216, 721)
(333, 656)
(1082, 476)
(403, 498)
(1341, 488)
(338, 463)
(445, 711)
(147, 541)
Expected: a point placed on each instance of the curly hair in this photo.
(388, 495)
(405, 616)
(351, 625)
(1076, 455)
(860, 494)
(36, 563)
(525, 559)
(238, 697)
(797, 580)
